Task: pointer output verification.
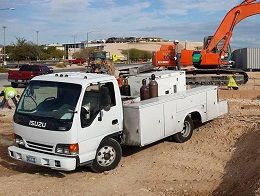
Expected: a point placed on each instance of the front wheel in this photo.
(108, 156)
(186, 132)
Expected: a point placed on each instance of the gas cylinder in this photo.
(125, 89)
(144, 91)
(153, 87)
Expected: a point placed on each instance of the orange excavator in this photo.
(215, 55)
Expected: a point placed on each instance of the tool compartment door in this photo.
(212, 104)
(170, 118)
(151, 124)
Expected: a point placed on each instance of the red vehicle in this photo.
(77, 61)
(26, 73)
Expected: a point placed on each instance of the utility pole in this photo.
(37, 41)
(87, 49)
(4, 27)
(87, 44)
(37, 38)
(128, 55)
(74, 42)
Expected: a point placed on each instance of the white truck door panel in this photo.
(151, 124)
(95, 125)
(91, 136)
(103, 127)
(170, 118)
(212, 104)
(191, 101)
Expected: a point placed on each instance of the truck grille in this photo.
(38, 146)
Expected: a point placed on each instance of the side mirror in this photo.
(105, 100)
(107, 108)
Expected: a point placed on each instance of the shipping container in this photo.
(247, 59)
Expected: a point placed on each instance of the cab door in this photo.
(97, 121)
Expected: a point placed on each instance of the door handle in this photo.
(114, 122)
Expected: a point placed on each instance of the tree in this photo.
(26, 50)
(51, 53)
(23, 50)
(84, 53)
(137, 55)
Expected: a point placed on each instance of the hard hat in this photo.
(176, 41)
(10, 94)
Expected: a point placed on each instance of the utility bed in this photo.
(153, 119)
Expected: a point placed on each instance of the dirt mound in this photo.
(242, 172)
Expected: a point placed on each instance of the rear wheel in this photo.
(14, 85)
(108, 156)
(186, 132)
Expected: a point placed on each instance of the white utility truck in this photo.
(71, 119)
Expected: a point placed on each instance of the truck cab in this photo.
(61, 121)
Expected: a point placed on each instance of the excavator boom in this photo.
(233, 17)
(213, 57)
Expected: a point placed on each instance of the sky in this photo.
(63, 21)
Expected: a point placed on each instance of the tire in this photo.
(187, 131)
(14, 85)
(108, 156)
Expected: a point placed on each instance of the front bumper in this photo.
(41, 159)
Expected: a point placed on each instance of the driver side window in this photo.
(90, 105)
(93, 101)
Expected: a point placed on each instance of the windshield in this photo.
(53, 100)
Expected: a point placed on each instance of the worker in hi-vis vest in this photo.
(9, 93)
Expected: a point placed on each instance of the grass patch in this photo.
(60, 65)
(3, 70)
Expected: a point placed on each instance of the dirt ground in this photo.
(222, 158)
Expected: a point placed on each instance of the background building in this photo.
(115, 46)
(57, 46)
(247, 59)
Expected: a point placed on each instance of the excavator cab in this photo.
(206, 41)
(218, 48)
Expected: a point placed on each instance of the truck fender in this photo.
(116, 136)
(196, 118)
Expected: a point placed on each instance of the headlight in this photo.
(68, 149)
(18, 140)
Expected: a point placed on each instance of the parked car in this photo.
(12, 65)
(26, 73)
(77, 61)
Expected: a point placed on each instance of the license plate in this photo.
(19, 80)
(30, 159)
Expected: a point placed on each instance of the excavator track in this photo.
(215, 76)
(193, 76)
